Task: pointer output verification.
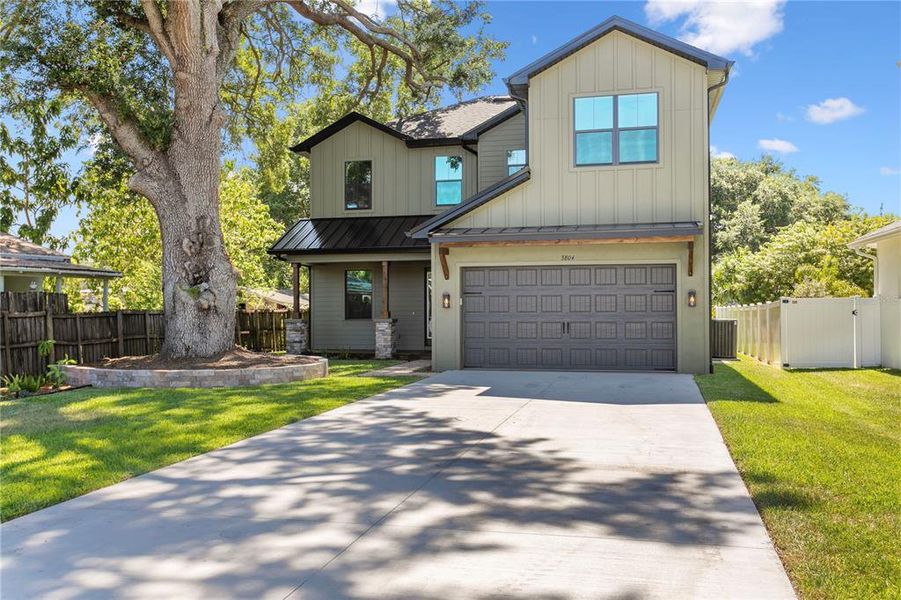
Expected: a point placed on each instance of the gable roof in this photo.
(869, 240)
(518, 82)
(491, 192)
(442, 126)
(18, 255)
(454, 121)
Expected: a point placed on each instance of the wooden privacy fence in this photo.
(91, 337)
(723, 338)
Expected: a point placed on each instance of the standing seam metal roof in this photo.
(350, 234)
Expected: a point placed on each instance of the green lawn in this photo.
(63, 445)
(821, 453)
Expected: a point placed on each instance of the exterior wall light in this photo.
(33, 285)
(692, 298)
(445, 300)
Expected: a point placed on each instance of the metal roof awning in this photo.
(555, 234)
(351, 235)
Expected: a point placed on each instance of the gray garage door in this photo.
(574, 317)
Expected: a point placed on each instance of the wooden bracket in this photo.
(691, 258)
(442, 256)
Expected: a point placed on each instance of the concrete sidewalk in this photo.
(464, 485)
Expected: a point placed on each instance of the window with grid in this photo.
(615, 130)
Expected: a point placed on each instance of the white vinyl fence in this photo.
(807, 333)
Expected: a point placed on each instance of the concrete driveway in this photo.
(468, 484)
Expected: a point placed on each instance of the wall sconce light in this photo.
(33, 285)
(692, 298)
(445, 300)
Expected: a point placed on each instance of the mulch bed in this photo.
(233, 359)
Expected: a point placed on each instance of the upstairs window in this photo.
(358, 294)
(516, 161)
(448, 180)
(615, 130)
(358, 184)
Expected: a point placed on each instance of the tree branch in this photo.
(156, 28)
(372, 34)
(124, 131)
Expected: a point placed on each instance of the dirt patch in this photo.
(233, 359)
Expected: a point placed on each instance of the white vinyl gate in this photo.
(808, 333)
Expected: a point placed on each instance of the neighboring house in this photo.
(886, 286)
(24, 265)
(275, 299)
(562, 227)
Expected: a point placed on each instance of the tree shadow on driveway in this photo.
(404, 494)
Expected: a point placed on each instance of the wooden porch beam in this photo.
(566, 242)
(443, 251)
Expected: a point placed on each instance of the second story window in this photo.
(448, 180)
(358, 184)
(516, 161)
(611, 130)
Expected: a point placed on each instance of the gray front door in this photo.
(596, 317)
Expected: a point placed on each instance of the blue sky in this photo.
(817, 82)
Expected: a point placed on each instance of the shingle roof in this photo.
(350, 234)
(447, 124)
(453, 121)
(21, 256)
(11, 244)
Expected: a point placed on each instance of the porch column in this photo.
(59, 284)
(385, 327)
(295, 280)
(297, 338)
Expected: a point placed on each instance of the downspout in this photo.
(709, 207)
(875, 260)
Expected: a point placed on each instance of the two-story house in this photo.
(564, 226)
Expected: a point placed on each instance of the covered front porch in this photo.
(368, 286)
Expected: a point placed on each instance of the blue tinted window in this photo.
(516, 160)
(448, 180)
(448, 192)
(594, 148)
(594, 113)
(638, 145)
(637, 110)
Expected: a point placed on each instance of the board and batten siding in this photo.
(406, 287)
(493, 146)
(403, 178)
(558, 193)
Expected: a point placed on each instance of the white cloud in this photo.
(832, 110)
(376, 8)
(717, 153)
(777, 145)
(720, 27)
(784, 118)
(889, 171)
(534, 39)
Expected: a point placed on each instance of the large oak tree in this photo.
(169, 79)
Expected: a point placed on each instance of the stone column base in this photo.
(296, 337)
(385, 338)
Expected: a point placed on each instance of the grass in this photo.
(60, 446)
(820, 452)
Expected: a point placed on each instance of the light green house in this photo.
(565, 226)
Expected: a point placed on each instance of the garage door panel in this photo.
(573, 317)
